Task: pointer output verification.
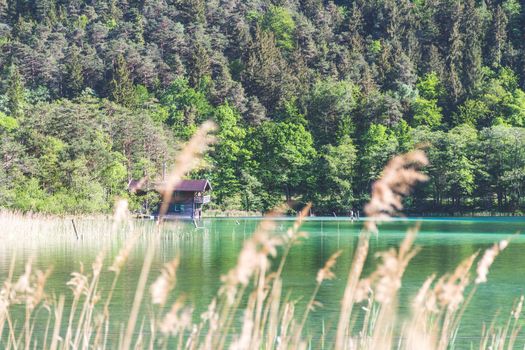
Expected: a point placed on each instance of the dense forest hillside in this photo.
(312, 98)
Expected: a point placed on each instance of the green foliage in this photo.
(186, 106)
(78, 156)
(427, 112)
(122, 89)
(8, 123)
(253, 16)
(111, 23)
(471, 111)
(311, 98)
(452, 163)
(229, 156)
(336, 171)
(379, 144)
(375, 47)
(504, 156)
(279, 20)
(82, 22)
(75, 73)
(430, 87)
(500, 102)
(115, 175)
(512, 7)
(284, 152)
(460, 167)
(15, 93)
(330, 107)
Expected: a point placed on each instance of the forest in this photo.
(311, 99)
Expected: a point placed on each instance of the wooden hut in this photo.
(187, 199)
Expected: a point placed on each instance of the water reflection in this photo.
(207, 253)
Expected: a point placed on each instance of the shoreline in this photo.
(257, 215)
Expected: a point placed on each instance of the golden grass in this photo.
(252, 291)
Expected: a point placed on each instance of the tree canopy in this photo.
(311, 97)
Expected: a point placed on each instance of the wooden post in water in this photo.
(74, 227)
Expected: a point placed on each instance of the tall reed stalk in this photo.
(252, 291)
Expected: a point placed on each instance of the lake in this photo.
(207, 253)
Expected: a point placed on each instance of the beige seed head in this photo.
(326, 272)
(165, 283)
(399, 176)
(487, 260)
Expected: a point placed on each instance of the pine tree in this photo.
(193, 11)
(74, 72)
(138, 30)
(355, 26)
(16, 93)
(435, 62)
(472, 47)
(123, 90)
(43, 8)
(199, 61)
(266, 74)
(455, 56)
(4, 8)
(498, 36)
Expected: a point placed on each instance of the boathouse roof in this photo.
(200, 185)
(193, 186)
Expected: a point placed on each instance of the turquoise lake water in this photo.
(209, 252)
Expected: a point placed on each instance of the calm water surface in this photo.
(208, 253)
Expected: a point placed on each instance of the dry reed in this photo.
(399, 175)
(253, 292)
(187, 159)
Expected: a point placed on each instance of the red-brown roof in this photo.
(136, 186)
(193, 186)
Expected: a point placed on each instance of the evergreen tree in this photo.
(122, 88)
(266, 73)
(498, 36)
(199, 60)
(281, 23)
(4, 10)
(455, 55)
(472, 47)
(355, 26)
(330, 107)
(138, 26)
(16, 93)
(193, 11)
(74, 72)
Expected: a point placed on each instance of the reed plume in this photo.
(121, 214)
(326, 272)
(385, 281)
(165, 283)
(123, 254)
(177, 320)
(487, 260)
(399, 176)
(253, 256)
(187, 159)
(267, 319)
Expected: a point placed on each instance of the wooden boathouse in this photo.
(187, 199)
